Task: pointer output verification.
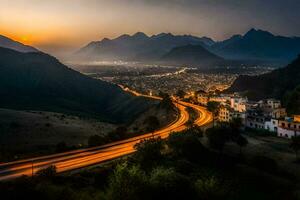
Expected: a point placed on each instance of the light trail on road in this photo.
(90, 156)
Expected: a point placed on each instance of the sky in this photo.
(59, 26)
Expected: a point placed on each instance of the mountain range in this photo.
(283, 83)
(259, 45)
(138, 47)
(6, 42)
(37, 81)
(255, 46)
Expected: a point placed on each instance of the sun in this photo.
(25, 39)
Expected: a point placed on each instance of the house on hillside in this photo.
(289, 127)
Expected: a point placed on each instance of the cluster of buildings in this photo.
(266, 114)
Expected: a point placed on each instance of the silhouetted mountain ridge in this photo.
(37, 81)
(193, 55)
(6, 42)
(138, 47)
(259, 45)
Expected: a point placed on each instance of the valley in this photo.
(153, 79)
(143, 100)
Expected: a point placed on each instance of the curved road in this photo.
(85, 157)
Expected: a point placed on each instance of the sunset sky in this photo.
(65, 25)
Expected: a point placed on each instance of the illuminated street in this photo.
(91, 156)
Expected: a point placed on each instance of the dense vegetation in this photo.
(281, 83)
(36, 81)
(181, 167)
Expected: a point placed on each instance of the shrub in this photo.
(210, 188)
(218, 137)
(127, 183)
(186, 144)
(166, 183)
(48, 172)
(149, 152)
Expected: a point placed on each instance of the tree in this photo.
(180, 94)
(218, 137)
(197, 130)
(191, 122)
(236, 125)
(127, 183)
(292, 101)
(149, 152)
(163, 94)
(213, 107)
(242, 142)
(166, 183)
(152, 123)
(295, 145)
(186, 144)
(166, 103)
(119, 133)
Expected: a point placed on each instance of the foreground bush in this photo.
(127, 183)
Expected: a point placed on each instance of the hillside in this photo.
(138, 47)
(259, 45)
(194, 55)
(36, 81)
(280, 83)
(6, 42)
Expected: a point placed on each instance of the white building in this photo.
(288, 128)
(272, 125)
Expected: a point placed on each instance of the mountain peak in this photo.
(257, 32)
(124, 36)
(162, 35)
(140, 35)
(105, 40)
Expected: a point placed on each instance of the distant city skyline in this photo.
(65, 25)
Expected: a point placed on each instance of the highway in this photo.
(90, 156)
